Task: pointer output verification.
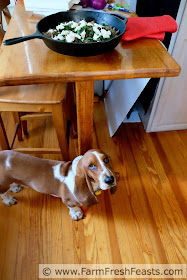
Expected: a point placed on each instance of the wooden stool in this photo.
(42, 98)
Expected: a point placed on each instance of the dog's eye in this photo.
(92, 166)
(106, 160)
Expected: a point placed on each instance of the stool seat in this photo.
(33, 94)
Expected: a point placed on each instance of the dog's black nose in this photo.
(109, 180)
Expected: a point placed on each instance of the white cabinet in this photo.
(169, 107)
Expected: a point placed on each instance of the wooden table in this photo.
(31, 62)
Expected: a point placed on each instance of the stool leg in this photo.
(19, 128)
(24, 124)
(58, 120)
(3, 137)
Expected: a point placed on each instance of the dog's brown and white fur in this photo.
(74, 182)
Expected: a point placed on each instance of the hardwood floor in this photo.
(144, 222)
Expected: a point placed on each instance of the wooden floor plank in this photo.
(121, 199)
(9, 238)
(176, 159)
(182, 134)
(163, 212)
(181, 140)
(153, 251)
(24, 251)
(176, 186)
(101, 226)
(150, 182)
(167, 188)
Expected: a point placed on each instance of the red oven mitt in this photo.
(149, 27)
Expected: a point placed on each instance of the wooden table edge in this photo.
(46, 79)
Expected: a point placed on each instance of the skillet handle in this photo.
(21, 39)
(121, 17)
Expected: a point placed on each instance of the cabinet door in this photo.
(171, 111)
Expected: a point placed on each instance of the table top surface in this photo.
(32, 62)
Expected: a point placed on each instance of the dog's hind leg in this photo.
(8, 199)
(15, 188)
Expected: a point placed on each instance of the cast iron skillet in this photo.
(76, 49)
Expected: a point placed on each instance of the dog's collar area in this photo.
(98, 192)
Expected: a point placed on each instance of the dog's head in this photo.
(94, 172)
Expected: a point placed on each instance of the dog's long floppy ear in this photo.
(83, 188)
(113, 189)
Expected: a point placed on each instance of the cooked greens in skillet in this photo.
(82, 31)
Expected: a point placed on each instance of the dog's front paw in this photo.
(76, 213)
(15, 188)
(9, 200)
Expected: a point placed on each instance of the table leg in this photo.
(60, 127)
(85, 104)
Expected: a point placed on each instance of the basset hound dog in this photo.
(76, 182)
